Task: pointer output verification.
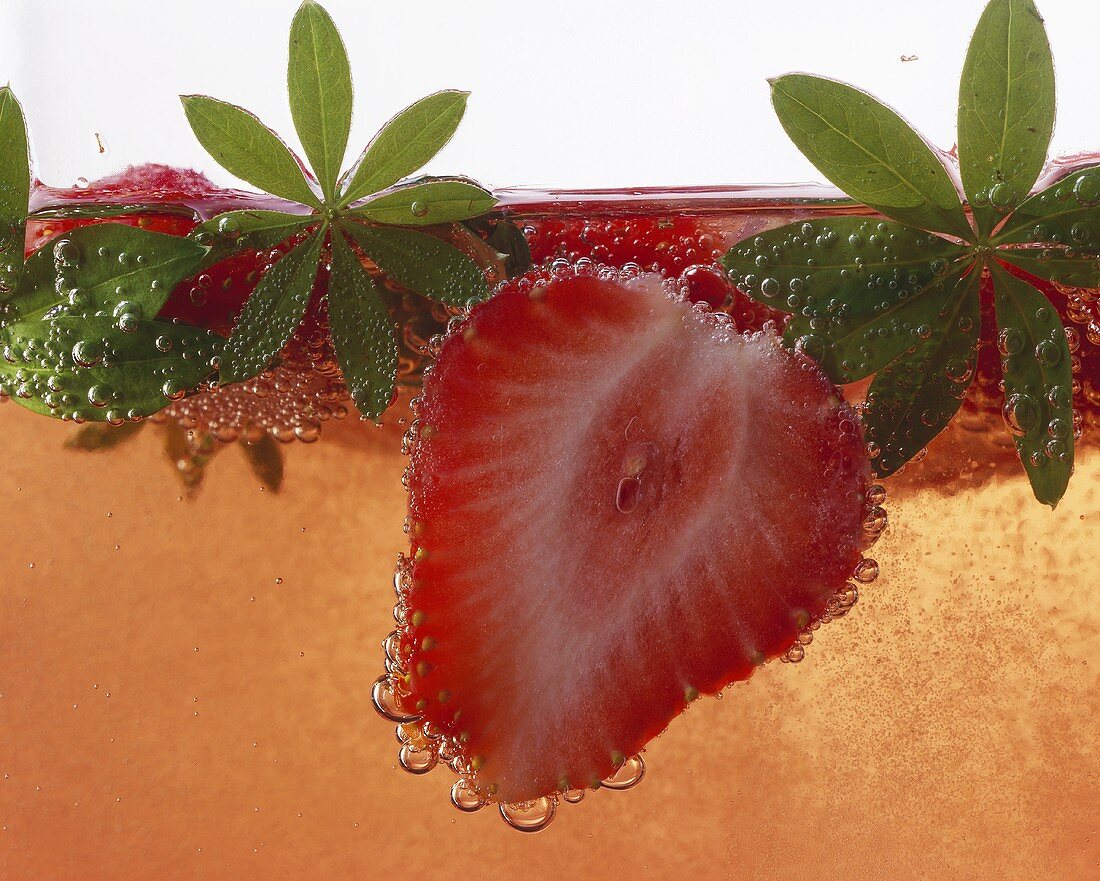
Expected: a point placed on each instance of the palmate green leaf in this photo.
(1006, 109)
(1038, 382)
(319, 83)
(88, 367)
(913, 399)
(15, 188)
(362, 332)
(1068, 266)
(245, 230)
(869, 152)
(405, 144)
(100, 268)
(440, 200)
(862, 290)
(422, 263)
(248, 149)
(272, 313)
(1065, 213)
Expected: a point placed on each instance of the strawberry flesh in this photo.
(617, 502)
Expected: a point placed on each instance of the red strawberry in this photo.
(678, 246)
(616, 503)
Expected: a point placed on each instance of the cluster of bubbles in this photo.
(293, 400)
(672, 244)
(1083, 312)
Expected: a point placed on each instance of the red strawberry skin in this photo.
(616, 502)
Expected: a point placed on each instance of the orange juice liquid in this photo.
(186, 667)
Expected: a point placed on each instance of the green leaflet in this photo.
(913, 399)
(105, 266)
(422, 263)
(426, 203)
(1038, 383)
(246, 148)
(1066, 266)
(319, 84)
(1006, 109)
(1065, 213)
(88, 367)
(15, 187)
(870, 152)
(236, 231)
(405, 144)
(272, 313)
(865, 334)
(362, 332)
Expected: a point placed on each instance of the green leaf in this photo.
(913, 399)
(265, 458)
(248, 230)
(102, 267)
(88, 367)
(102, 436)
(422, 263)
(1038, 382)
(362, 332)
(15, 188)
(1077, 269)
(405, 144)
(432, 201)
(1006, 109)
(247, 149)
(1065, 213)
(869, 152)
(862, 290)
(319, 82)
(272, 313)
(861, 336)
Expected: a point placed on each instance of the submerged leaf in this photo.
(272, 313)
(87, 368)
(105, 267)
(1038, 381)
(363, 332)
(913, 399)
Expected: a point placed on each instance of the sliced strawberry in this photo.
(616, 503)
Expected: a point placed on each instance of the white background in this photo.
(578, 93)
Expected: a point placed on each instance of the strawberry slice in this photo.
(617, 502)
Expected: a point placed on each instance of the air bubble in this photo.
(389, 697)
(628, 774)
(1021, 414)
(530, 816)
(465, 797)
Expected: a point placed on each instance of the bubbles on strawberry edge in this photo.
(422, 745)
